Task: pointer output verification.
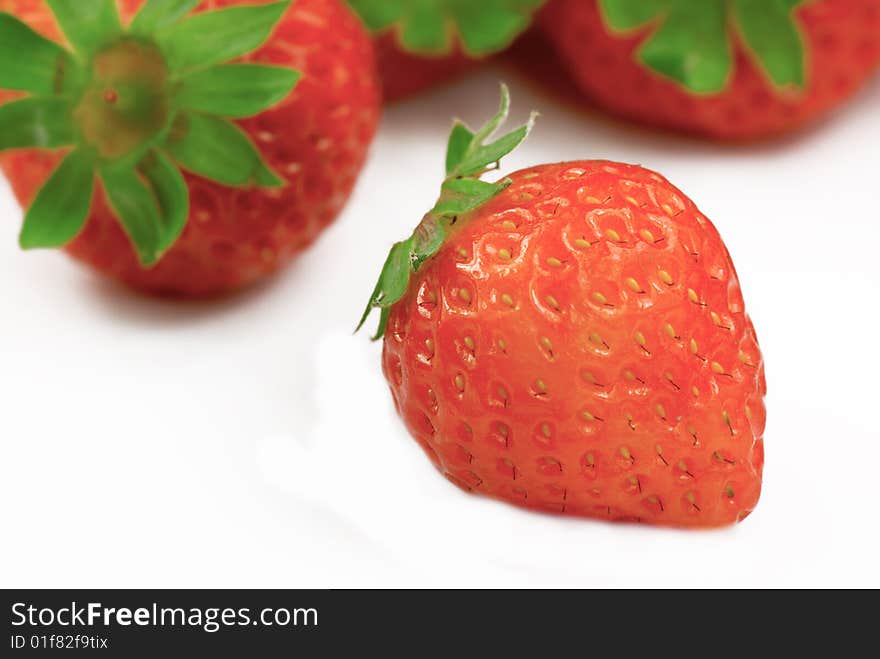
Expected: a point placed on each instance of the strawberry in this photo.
(573, 339)
(420, 45)
(724, 69)
(269, 146)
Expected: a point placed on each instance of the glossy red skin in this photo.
(316, 139)
(406, 74)
(505, 419)
(843, 40)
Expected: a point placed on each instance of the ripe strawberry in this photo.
(725, 69)
(573, 339)
(420, 45)
(138, 102)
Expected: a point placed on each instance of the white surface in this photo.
(254, 443)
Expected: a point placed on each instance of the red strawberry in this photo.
(253, 192)
(420, 45)
(726, 69)
(573, 339)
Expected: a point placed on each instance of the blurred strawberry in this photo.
(422, 44)
(213, 174)
(725, 69)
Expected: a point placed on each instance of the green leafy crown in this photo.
(136, 104)
(428, 27)
(468, 157)
(692, 39)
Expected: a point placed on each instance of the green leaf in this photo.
(467, 158)
(625, 15)
(172, 196)
(429, 27)
(218, 150)
(36, 123)
(769, 31)
(393, 282)
(692, 46)
(217, 36)
(88, 24)
(137, 210)
(156, 15)
(29, 62)
(236, 90)
(62, 204)
(459, 141)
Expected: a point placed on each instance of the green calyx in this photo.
(692, 40)
(431, 27)
(468, 158)
(135, 105)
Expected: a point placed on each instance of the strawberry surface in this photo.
(405, 74)
(579, 345)
(841, 42)
(316, 139)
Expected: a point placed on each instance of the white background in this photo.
(253, 442)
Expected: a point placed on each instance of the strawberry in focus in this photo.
(270, 145)
(573, 339)
(724, 69)
(421, 45)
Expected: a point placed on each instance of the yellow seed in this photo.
(502, 393)
(667, 209)
(462, 252)
(695, 392)
(682, 465)
(633, 285)
(587, 416)
(432, 296)
(590, 460)
(589, 377)
(459, 382)
(659, 449)
(464, 294)
(661, 412)
(629, 375)
(595, 338)
(502, 430)
(668, 376)
(670, 330)
(546, 344)
(726, 417)
(728, 491)
(502, 345)
(612, 235)
(715, 318)
(624, 451)
(694, 347)
(581, 243)
(469, 342)
(692, 295)
(504, 254)
(553, 262)
(717, 368)
(632, 200)
(640, 339)
(507, 300)
(540, 386)
(748, 413)
(545, 430)
(509, 225)
(599, 298)
(429, 344)
(666, 278)
(646, 235)
(552, 301)
(743, 357)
